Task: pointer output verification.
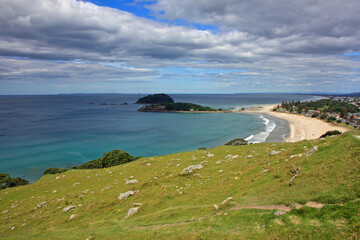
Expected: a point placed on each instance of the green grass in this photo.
(330, 176)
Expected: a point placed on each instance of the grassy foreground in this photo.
(322, 203)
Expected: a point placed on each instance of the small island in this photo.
(155, 99)
(165, 103)
(176, 107)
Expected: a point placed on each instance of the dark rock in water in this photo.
(237, 142)
(156, 98)
(104, 104)
(125, 103)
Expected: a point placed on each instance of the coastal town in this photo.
(334, 109)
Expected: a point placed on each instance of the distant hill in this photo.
(155, 99)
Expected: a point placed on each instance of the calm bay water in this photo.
(38, 132)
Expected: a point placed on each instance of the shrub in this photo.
(323, 116)
(8, 182)
(109, 159)
(315, 115)
(338, 121)
(329, 133)
(202, 148)
(330, 119)
(237, 142)
(54, 170)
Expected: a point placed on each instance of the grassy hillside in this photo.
(322, 203)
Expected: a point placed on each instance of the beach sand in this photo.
(301, 127)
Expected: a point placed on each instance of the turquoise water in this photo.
(37, 132)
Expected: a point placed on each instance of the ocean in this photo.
(38, 132)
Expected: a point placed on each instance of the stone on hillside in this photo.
(132, 181)
(127, 194)
(210, 155)
(41, 204)
(296, 155)
(312, 151)
(131, 211)
(73, 216)
(279, 213)
(148, 164)
(6, 211)
(57, 178)
(216, 206)
(218, 162)
(226, 200)
(249, 156)
(137, 204)
(68, 208)
(191, 168)
(274, 152)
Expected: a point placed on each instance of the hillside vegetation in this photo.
(230, 192)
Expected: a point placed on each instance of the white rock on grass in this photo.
(132, 181)
(210, 155)
(137, 204)
(6, 211)
(40, 205)
(131, 211)
(274, 152)
(73, 216)
(57, 178)
(312, 151)
(279, 213)
(191, 168)
(216, 206)
(68, 208)
(226, 200)
(127, 194)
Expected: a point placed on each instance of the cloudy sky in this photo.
(202, 46)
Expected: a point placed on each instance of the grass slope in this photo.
(180, 206)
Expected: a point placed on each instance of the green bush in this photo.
(202, 148)
(8, 182)
(109, 159)
(54, 170)
(338, 121)
(315, 115)
(237, 142)
(330, 119)
(323, 116)
(329, 133)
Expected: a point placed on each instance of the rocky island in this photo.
(165, 103)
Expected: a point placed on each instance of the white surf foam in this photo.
(261, 137)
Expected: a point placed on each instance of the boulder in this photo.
(279, 213)
(41, 204)
(132, 181)
(127, 194)
(131, 211)
(191, 168)
(274, 152)
(73, 216)
(311, 151)
(226, 200)
(68, 208)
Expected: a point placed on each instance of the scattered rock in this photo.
(279, 213)
(210, 155)
(73, 216)
(57, 178)
(148, 164)
(311, 151)
(127, 194)
(274, 152)
(220, 171)
(226, 200)
(132, 181)
(6, 211)
(131, 211)
(216, 206)
(68, 208)
(249, 156)
(218, 162)
(41, 204)
(137, 204)
(296, 155)
(191, 168)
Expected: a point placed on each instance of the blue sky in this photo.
(204, 46)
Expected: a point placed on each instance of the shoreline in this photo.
(301, 127)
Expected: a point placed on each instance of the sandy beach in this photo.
(301, 127)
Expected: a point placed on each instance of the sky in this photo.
(172, 46)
